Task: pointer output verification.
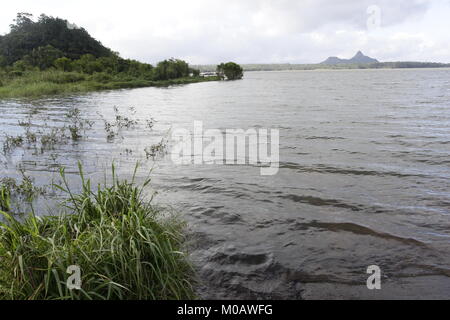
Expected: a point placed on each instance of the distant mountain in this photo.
(359, 58)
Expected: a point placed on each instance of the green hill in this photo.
(27, 35)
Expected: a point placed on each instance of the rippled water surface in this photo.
(364, 177)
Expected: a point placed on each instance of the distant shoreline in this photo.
(346, 69)
(318, 66)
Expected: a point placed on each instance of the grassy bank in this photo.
(125, 248)
(34, 84)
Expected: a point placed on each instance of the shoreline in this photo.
(52, 83)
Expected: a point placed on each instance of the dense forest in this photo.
(27, 36)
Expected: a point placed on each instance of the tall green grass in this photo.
(34, 84)
(126, 248)
(5, 198)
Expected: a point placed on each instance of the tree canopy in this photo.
(27, 35)
(230, 70)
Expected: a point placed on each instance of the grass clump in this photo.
(5, 199)
(11, 143)
(125, 248)
(25, 191)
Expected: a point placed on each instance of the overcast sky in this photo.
(256, 31)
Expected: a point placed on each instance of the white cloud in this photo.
(210, 31)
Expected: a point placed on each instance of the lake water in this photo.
(364, 177)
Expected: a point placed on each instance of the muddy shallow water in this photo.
(364, 177)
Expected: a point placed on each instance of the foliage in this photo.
(125, 247)
(195, 72)
(230, 70)
(63, 64)
(20, 66)
(43, 57)
(35, 55)
(87, 64)
(171, 69)
(3, 62)
(27, 35)
(5, 199)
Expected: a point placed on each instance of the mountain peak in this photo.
(359, 58)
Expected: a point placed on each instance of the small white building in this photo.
(208, 74)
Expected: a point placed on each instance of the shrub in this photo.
(63, 64)
(43, 57)
(230, 70)
(20, 66)
(101, 77)
(63, 77)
